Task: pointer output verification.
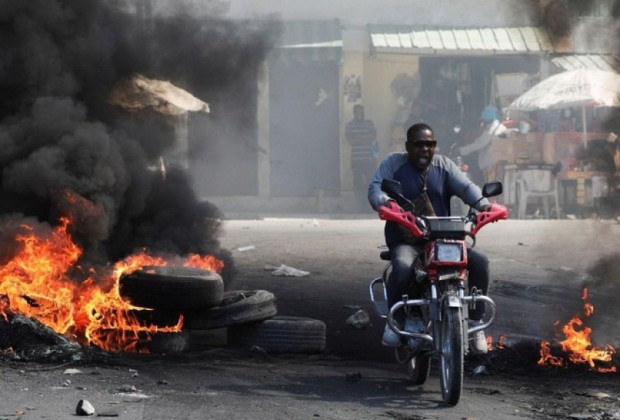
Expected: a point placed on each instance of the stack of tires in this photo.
(248, 318)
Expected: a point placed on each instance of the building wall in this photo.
(375, 72)
(382, 105)
(353, 66)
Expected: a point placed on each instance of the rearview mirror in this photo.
(391, 188)
(492, 189)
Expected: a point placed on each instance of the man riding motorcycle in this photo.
(429, 181)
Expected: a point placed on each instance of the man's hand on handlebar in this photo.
(406, 207)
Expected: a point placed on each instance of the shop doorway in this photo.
(304, 129)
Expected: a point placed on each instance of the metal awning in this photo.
(461, 41)
(587, 61)
(309, 41)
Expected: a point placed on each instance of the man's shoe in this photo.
(415, 324)
(478, 343)
(390, 338)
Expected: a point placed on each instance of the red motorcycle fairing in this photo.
(438, 270)
(497, 212)
(393, 212)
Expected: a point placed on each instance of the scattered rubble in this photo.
(286, 271)
(84, 408)
(246, 248)
(359, 320)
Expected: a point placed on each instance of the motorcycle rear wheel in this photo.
(452, 354)
(419, 368)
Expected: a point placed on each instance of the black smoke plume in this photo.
(66, 151)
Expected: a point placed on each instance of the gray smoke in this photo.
(65, 151)
(592, 27)
(603, 289)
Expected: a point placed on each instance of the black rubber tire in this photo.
(281, 334)
(452, 355)
(172, 288)
(419, 368)
(168, 343)
(237, 307)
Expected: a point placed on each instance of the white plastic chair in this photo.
(537, 183)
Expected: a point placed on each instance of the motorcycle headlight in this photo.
(448, 252)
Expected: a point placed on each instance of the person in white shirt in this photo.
(490, 127)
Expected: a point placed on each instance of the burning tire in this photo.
(172, 288)
(159, 318)
(144, 317)
(237, 307)
(281, 334)
(168, 343)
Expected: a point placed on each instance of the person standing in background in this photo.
(489, 128)
(361, 134)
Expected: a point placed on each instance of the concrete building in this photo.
(442, 59)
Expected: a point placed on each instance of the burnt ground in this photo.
(222, 382)
(536, 281)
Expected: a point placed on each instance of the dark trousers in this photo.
(363, 172)
(403, 258)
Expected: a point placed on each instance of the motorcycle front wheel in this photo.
(451, 356)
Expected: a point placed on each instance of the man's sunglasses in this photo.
(418, 144)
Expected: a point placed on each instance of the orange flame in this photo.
(499, 345)
(578, 345)
(35, 279)
(4, 307)
(546, 358)
(35, 283)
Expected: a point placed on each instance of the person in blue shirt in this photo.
(434, 179)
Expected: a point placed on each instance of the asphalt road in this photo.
(539, 269)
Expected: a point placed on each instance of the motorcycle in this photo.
(441, 273)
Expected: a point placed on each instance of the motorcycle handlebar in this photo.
(391, 211)
(495, 213)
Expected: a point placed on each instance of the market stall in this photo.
(584, 173)
(581, 162)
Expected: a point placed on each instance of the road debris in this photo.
(359, 320)
(480, 370)
(246, 248)
(286, 271)
(84, 408)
